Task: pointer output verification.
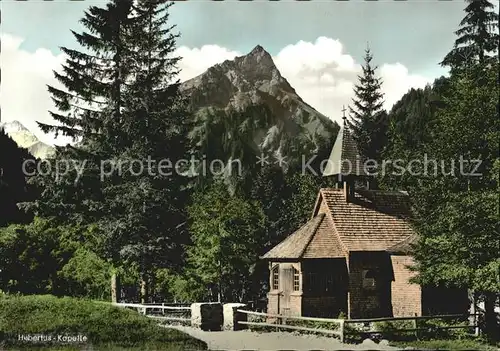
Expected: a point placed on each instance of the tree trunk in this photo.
(115, 288)
(492, 329)
(144, 290)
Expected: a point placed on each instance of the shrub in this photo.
(100, 322)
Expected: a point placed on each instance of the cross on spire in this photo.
(343, 112)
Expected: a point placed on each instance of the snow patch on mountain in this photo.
(27, 140)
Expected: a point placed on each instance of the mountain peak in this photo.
(13, 127)
(26, 140)
(259, 54)
(258, 64)
(258, 50)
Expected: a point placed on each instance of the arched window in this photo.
(296, 280)
(275, 276)
(369, 278)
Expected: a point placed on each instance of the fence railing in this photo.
(417, 324)
(281, 322)
(161, 312)
(341, 327)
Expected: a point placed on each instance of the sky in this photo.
(318, 46)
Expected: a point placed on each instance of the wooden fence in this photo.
(416, 328)
(281, 322)
(340, 326)
(161, 312)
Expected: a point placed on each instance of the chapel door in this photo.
(286, 280)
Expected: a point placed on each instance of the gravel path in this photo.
(248, 340)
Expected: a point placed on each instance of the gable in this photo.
(315, 239)
(325, 243)
(373, 221)
(320, 206)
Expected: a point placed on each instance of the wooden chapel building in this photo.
(353, 255)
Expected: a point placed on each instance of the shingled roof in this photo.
(405, 246)
(314, 239)
(373, 220)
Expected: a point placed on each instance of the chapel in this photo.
(353, 256)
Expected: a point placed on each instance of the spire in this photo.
(345, 158)
(344, 118)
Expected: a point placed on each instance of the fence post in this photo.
(415, 324)
(342, 330)
(476, 323)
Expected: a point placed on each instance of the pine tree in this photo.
(89, 109)
(368, 121)
(13, 186)
(125, 110)
(457, 213)
(145, 212)
(477, 38)
(227, 235)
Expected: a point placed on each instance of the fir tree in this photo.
(124, 108)
(477, 38)
(368, 121)
(227, 240)
(89, 109)
(145, 212)
(13, 186)
(457, 213)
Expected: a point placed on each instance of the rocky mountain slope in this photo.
(27, 140)
(248, 98)
(242, 106)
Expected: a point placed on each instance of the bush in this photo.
(101, 323)
(394, 330)
(446, 345)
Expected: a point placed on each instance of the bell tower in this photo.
(345, 161)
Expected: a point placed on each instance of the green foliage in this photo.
(457, 216)
(86, 274)
(456, 212)
(395, 330)
(368, 121)
(44, 257)
(139, 216)
(445, 345)
(477, 39)
(100, 322)
(433, 332)
(304, 188)
(227, 240)
(411, 121)
(30, 257)
(13, 185)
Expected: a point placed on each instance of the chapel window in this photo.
(369, 278)
(296, 280)
(275, 278)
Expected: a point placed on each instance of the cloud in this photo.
(196, 61)
(322, 73)
(23, 92)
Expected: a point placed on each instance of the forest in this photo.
(181, 236)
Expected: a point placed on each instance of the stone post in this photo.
(232, 316)
(115, 288)
(207, 316)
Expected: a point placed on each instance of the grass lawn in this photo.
(99, 327)
(447, 345)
